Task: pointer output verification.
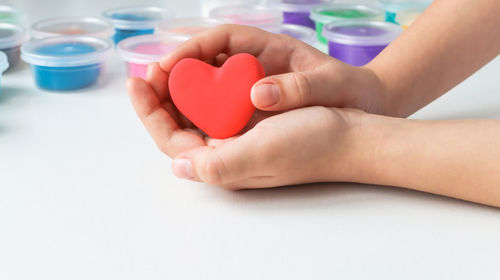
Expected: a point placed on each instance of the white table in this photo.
(85, 194)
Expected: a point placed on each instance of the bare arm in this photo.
(445, 45)
(459, 159)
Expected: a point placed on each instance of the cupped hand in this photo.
(298, 75)
(312, 144)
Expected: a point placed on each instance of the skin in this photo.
(304, 101)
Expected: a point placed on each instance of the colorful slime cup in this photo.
(187, 26)
(10, 14)
(324, 14)
(299, 11)
(66, 62)
(4, 64)
(11, 38)
(140, 51)
(135, 21)
(253, 15)
(89, 26)
(394, 7)
(358, 42)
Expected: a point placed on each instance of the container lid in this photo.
(66, 51)
(12, 35)
(187, 26)
(299, 5)
(10, 14)
(90, 26)
(145, 49)
(299, 32)
(406, 17)
(345, 11)
(398, 5)
(138, 17)
(4, 62)
(362, 32)
(254, 15)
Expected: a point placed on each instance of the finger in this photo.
(158, 79)
(160, 125)
(221, 165)
(297, 89)
(271, 49)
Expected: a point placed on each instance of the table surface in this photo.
(85, 194)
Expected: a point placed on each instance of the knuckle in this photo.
(303, 88)
(213, 169)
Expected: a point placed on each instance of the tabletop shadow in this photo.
(319, 195)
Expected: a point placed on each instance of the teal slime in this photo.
(121, 34)
(66, 78)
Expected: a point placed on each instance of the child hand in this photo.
(298, 74)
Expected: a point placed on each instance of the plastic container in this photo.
(135, 21)
(358, 42)
(140, 51)
(11, 38)
(299, 11)
(253, 15)
(89, 26)
(298, 32)
(343, 11)
(393, 7)
(66, 62)
(4, 64)
(10, 14)
(187, 26)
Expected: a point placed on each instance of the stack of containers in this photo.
(4, 64)
(269, 18)
(408, 7)
(138, 52)
(299, 11)
(68, 53)
(357, 42)
(12, 36)
(89, 26)
(12, 15)
(336, 12)
(67, 62)
(135, 21)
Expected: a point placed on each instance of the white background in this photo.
(85, 194)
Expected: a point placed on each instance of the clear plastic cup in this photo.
(253, 15)
(325, 14)
(394, 7)
(135, 21)
(11, 38)
(4, 64)
(89, 26)
(299, 11)
(187, 26)
(66, 62)
(357, 42)
(138, 52)
(298, 32)
(10, 14)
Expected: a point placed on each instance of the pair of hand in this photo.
(294, 136)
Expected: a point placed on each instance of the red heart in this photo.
(216, 100)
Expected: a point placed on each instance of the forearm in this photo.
(459, 159)
(445, 45)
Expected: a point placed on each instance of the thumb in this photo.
(222, 165)
(294, 90)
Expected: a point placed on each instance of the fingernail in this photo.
(183, 168)
(266, 95)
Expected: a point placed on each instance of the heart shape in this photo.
(216, 100)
